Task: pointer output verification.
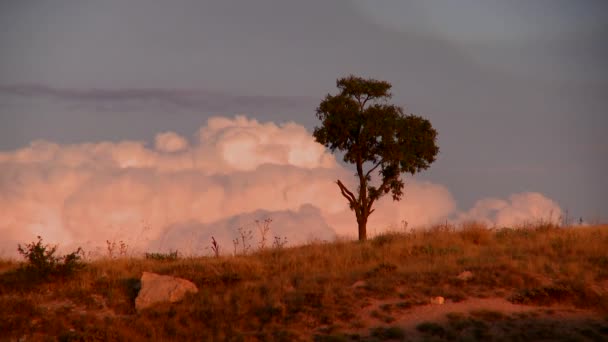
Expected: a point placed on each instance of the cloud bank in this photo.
(121, 99)
(522, 208)
(180, 192)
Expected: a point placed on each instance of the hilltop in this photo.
(526, 283)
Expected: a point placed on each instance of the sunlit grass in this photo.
(288, 293)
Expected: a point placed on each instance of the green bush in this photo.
(42, 262)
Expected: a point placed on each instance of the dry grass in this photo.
(493, 325)
(297, 293)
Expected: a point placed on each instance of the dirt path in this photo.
(485, 318)
(437, 313)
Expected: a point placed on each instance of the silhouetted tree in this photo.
(373, 135)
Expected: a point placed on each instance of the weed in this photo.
(477, 233)
(430, 250)
(42, 262)
(246, 235)
(599, 261)
(404, 305)
(269, 312)
(385, 239)
(431, 329)
(215, 247)
(279, 243)
(455, 316)
(488, 315)
(115, 251)
(382, 316)
(386, 308)
(456, 296)
(235, 244)
(382, 269)
(543, 295)
(390, 333)
(170, 256)
(263, 229)
(332, 338)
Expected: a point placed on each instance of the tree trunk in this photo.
(362, 201)
(362, 228)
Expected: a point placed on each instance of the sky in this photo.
(164, 122)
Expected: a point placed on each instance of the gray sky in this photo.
(518, 90)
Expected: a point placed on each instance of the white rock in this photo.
(157, 288)
(359, 284)
(437, 300)
(466, 275)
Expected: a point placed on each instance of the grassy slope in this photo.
(288, 294)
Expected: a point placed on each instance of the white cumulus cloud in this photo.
(170, 142)
(522, 208)
(177, 195)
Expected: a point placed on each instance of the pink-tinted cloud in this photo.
(183, 191)
(522, 208)
(170, 142)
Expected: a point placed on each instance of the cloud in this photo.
(527, 207)
(127, 98)
(92, 192)
(170, 142)
(178, 194)
(286, 226)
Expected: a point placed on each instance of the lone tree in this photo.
(374, 135)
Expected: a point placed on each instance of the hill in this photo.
(527, 283)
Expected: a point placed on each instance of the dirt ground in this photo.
(475, 319)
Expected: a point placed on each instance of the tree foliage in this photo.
(374, 136)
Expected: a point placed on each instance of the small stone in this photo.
(437, 300)
(466, 275)
(359, 284)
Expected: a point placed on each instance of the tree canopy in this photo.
(374, 136)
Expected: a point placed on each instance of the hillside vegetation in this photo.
(338, 291)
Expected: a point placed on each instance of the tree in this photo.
(373, 135)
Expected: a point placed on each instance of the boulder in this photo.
(157, 288)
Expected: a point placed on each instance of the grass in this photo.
(171, 256)
(304, 293)
(492, 325)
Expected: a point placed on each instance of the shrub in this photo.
(390, 333)
(162, 256)
(431, 328)
(42, 262)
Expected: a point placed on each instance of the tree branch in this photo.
(369, 205)
(364, 102)
(385, 183)
(346, 193)
(373, 168)
(381, 189)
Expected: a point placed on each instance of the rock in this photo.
(99, 301)
(466, 275)
(437, 300)
(359, 284)
(157, 288)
